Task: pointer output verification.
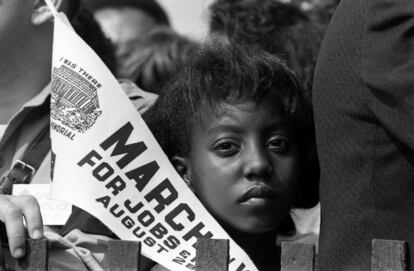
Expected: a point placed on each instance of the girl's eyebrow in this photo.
(225, 127)
(280, 124)
(235, 128)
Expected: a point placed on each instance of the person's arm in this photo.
(388, 66)
(12, 211)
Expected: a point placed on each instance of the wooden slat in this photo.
(2, 259)
(212, 255)
(389, 255)
(36, 258)
(297, 257)
(123, 255)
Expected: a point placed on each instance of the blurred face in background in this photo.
(123, 26)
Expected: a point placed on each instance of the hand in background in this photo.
(13, 209)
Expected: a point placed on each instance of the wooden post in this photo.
(297, 257)
(2, 260)
(212, 255)
(36, 258)
(123, 255)
(389, 255)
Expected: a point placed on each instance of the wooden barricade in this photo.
(124, 255)
(213, 255)
(36, 259)
(389, 255)
(297, 257)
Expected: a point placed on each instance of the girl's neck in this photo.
(261, 248)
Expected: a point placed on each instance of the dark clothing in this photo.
(364, 114)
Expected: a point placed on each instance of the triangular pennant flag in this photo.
(108, 163)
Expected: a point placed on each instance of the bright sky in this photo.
(189, 17)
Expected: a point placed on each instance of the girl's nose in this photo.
(257, 164)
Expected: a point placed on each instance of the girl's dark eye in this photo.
(226, 148)
(278, 144)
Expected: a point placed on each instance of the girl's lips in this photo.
(259, 192)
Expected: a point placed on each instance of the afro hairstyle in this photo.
(227, 73)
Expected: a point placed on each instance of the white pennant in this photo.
(107, 162)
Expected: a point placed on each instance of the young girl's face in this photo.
(244, 165)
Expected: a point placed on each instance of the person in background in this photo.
(26, 42)
(363, 98)
(156, 58)
(319, 10)
(126, 21)
(280, 28)
(90, 31)
(235, 126)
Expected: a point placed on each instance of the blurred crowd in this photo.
(148, 51)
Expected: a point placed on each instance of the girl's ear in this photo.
(183, 168)
(41, 13)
